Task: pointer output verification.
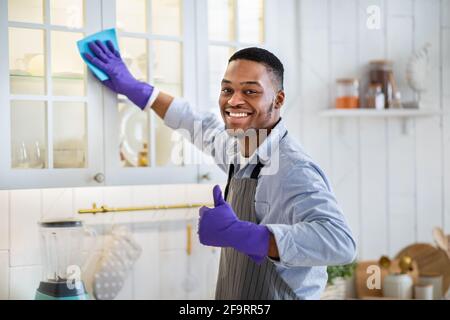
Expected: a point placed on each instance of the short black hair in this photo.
(265, 57)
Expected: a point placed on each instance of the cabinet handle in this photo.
(205, 177)
(99, 177)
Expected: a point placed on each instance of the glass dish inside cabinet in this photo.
(26, 61)
(69, 135)
(134, 136)
(28, 135)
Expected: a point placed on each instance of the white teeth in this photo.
(238, 115)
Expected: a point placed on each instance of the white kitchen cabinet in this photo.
(59, 127)
(51, 107)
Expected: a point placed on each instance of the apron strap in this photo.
(254, 174)
(256, 170)
(230, 175)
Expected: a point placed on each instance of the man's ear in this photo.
(279, 99)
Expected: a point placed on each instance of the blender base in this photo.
(60, 290)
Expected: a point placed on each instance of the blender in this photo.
(61, 245)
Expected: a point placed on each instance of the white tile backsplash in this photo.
(173, 236)
(24, 281)
(127, 290)
(4, 275)
(84, 198)
(173, 275)
(175, 194)
(57, 203)
(147, 268)
(119, 197)
(200, 193)
(25, 213)
(145, 195)
(4, 220)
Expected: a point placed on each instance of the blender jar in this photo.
(61, 245)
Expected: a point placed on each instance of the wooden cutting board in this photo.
(429, 260)
(361, 276)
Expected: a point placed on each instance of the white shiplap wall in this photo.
(393, 187)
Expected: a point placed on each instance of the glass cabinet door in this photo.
(51, 122)
(140, 148)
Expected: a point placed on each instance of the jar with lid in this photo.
(347, 93)
(375, 97)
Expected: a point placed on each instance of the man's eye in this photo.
(226, 90)
(250, 92)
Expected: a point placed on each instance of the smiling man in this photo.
(278, 222)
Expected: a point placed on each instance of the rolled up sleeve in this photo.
(316, 233)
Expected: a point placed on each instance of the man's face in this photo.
(248, 97)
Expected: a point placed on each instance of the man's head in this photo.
(252, 90)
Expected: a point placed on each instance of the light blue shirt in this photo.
(293, 198)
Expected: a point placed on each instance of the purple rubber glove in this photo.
(108, 59)
(220, 227)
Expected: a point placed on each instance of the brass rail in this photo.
(106, 209)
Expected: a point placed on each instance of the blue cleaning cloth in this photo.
(103, 36)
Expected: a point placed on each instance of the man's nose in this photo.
(236, 99)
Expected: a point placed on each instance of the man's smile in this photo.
(233, 116)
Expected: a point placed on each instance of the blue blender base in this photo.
(60, 290)
(41, 296)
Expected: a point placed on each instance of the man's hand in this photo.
(220, 227)
(108, 59)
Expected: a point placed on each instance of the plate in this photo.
(133, 132)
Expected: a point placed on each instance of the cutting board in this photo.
(361, 276)
(429, 260)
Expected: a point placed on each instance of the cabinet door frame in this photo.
(50, 177)
(117, 174)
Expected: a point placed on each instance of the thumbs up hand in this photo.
(220, 227)
(214, 222)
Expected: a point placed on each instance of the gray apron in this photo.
(239, 277)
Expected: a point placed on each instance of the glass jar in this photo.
(347, 93)
(63, 261)
(375, 96)
(381, 72)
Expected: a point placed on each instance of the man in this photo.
(279, 224)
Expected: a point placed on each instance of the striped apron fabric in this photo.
(239, 277)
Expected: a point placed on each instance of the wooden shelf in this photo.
(407, 113)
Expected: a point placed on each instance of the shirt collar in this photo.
(265, 150)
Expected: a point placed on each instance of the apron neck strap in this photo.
(230, 175)
(254, 174)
